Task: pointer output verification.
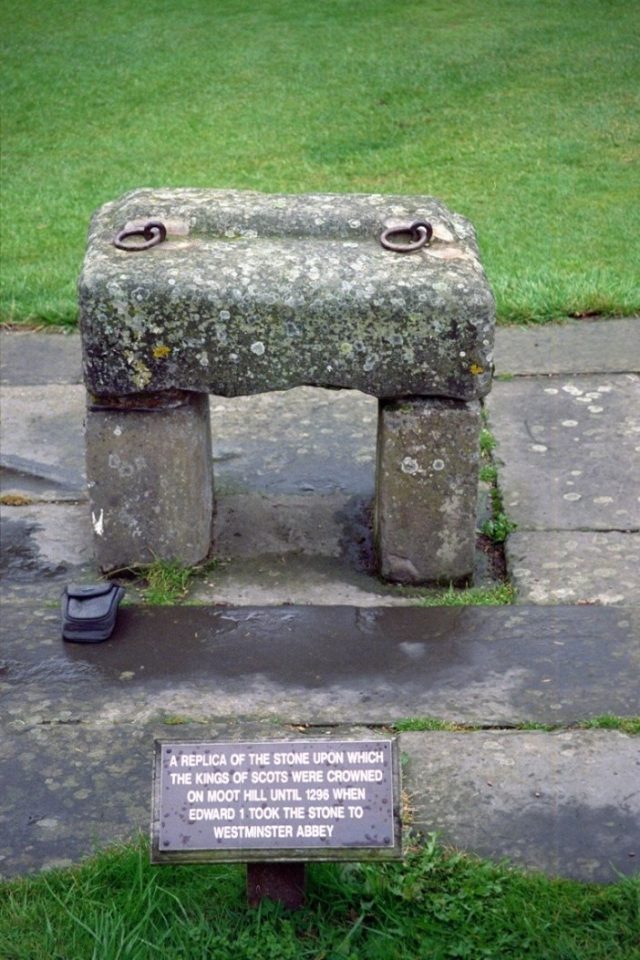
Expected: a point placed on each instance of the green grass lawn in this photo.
(434, 906)
(520, 114)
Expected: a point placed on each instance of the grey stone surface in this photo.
(252, 292)
(570, 451)
(298, 578)
(575, 567)
(151, 483)
(487, 666)
(567, 803)
(577, 346)
(44, 546)
(302, 441)
(70, 789)
(42, 439)
(47, 545)
(271, 549)
(427, 489)
(35, 358)
(250, 525)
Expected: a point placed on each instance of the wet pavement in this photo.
(294, 481)
(484, 666)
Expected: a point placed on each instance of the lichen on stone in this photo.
(252, 292)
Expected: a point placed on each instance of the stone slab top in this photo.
(252, 292)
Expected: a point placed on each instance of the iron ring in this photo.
(420, 231)
(154, 232)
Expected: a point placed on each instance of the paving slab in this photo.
(47, 545)
(575, 567)
(307, 440)
(564, 803)
(42, 438)
(296, 578)
(326, 664)
(567, 803)
(569, 450)
(44, 546)
(29, 357)
(576, 346)
(68, 790)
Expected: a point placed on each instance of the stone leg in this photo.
(150, 478)
(426, 489)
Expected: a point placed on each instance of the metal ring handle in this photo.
(154, 232)
(420, 232)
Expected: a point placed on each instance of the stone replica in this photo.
(249, 293)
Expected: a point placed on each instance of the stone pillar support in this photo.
(150, 478)
(426, 489)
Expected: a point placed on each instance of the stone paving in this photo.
(294, 474)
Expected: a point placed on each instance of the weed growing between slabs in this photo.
(435, 905)
(496, 596)
(498, 527)
(628, 725)
(165, 582)
(520, 116)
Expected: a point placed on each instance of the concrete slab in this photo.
(296, 578)
(577, 346)
(33, 358)
(44, 546)
(337, 664)
(298, 441)
(69, 790)
(575, 567)
(42, 439)
(269, 549)
(570, 451)
(251, 525)
(566, 803)
(306, 440)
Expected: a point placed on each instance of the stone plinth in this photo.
(249, 293)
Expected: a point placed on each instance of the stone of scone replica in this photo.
(252, 292)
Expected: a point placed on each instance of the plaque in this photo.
(276, 801)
